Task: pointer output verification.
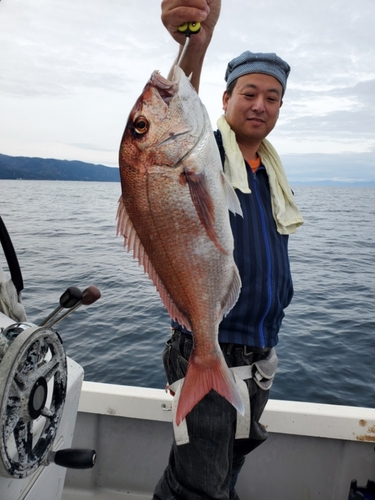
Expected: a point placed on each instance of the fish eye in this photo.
(141, 125)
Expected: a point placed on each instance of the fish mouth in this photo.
(165, 87)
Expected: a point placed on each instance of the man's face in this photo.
(253, 108)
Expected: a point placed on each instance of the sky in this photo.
(70, 72)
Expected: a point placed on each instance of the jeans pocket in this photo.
(180, 366)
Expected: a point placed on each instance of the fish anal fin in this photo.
(200, 379)
(203, 202)
(132, 243)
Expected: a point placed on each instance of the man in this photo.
(207, 466)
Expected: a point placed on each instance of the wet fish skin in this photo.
(173, 214)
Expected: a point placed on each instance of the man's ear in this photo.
(225, 100)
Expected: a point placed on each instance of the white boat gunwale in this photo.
(283, 417)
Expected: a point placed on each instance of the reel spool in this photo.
(33, 382)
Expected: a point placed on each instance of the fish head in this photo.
(164, 124)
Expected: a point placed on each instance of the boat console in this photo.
(39, 393)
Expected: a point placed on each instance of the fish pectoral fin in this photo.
(199, 381)
(231, 197)
(132, 243)
(203, 203)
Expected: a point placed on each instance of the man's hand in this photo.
(177, 12)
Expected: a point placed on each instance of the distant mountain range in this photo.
(20, 167)
(302, 170)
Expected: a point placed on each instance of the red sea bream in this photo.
(173, 214)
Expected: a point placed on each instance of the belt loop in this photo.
(229, 348)
(177, 335)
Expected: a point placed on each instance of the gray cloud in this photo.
(318, 114)
(347, 168)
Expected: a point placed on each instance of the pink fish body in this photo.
(173, 214)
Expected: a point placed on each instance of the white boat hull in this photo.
(313, 451)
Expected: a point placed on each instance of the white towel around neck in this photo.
(285, 212)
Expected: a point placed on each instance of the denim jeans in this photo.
(208, 466)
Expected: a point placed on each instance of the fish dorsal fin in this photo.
(133, 243)
(204, 204)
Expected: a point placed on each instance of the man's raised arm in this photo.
(177, 12)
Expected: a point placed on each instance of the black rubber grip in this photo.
(75, 458)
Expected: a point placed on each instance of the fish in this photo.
(173, 215)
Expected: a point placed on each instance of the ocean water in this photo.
(65, 234)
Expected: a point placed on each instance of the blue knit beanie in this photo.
(250, 62)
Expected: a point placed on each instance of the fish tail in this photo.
(200, 379)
